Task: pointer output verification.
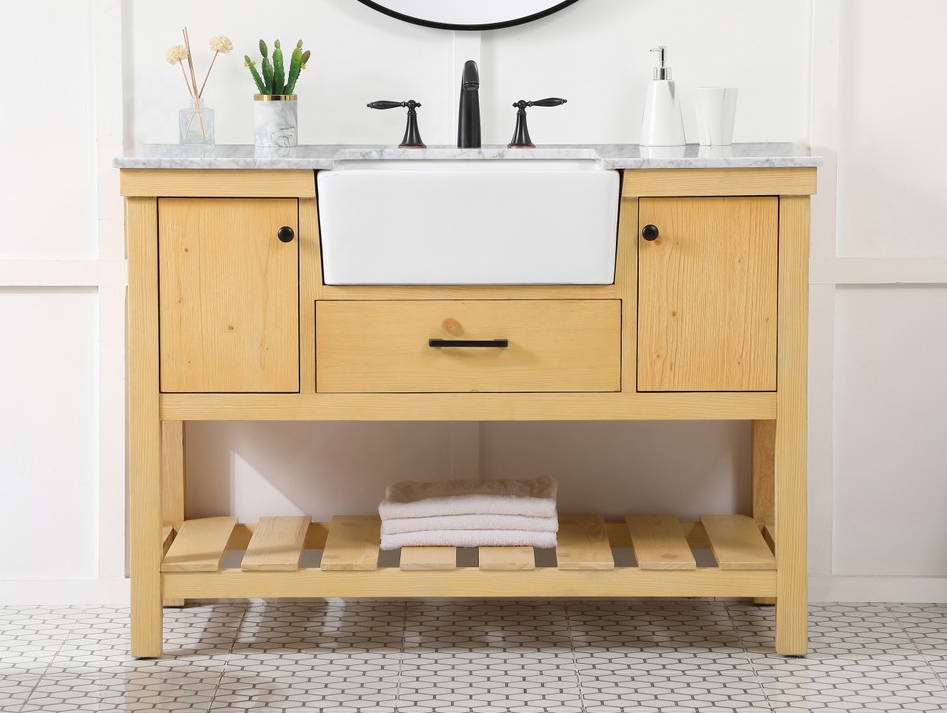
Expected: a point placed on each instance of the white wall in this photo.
(808, 71)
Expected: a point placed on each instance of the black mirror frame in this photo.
(554, 7)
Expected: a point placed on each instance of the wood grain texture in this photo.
(626, 279)
(582, 543)
(198, 183)
(507, 559)
(277, 544)
(719, 182)
(543, 582)
(310, 276)
(470, 407)
(707, 294)
(659, 542)
(144, 428)
(352, 544)
(790, 447)
(737, 543)
(172, 482)
(172, 473)
(764, 463)
(199, 545)
(563, 345)
(229, 300)
(350, 293)
(415, 559)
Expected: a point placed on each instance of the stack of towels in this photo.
(469, 513)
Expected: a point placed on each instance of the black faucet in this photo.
(468, 123)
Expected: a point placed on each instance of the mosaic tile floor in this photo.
(440, 656)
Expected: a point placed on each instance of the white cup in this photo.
(716, 110)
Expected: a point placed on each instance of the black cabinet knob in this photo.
(649, 232)
(285, 234)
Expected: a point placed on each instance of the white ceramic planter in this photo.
(274, 120)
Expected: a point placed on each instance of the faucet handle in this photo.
(521, 138)
(412, 137)
(384, 104)
(551, 101)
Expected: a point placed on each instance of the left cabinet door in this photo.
(228, 287)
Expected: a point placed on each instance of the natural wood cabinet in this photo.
(708, 321)
(228, 291)
(468, 345)
(707, 288)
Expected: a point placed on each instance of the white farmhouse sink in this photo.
(471, 221)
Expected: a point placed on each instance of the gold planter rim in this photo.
(274, 97)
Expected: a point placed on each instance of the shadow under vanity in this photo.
(701, 315)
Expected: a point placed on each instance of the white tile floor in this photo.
(443, 656)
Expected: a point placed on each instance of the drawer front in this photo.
(479, 345)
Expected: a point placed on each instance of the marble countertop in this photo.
(611, 156)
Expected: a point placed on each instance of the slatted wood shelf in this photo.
(586, 560)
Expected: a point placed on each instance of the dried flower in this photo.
(219, 43)
(176, 54)
(179, 53)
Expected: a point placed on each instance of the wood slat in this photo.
(659, 543)
(200, 545)
(737, 543)
(276, 545)
(352, 544)
(582, 543)
(543, 582)
(507, 558)
(427, 558)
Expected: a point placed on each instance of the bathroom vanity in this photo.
(704, 317)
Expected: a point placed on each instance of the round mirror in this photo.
(468, 14)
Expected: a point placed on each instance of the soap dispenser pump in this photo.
(662, 124)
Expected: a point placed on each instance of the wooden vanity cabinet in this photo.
(707, 286)
(706, 321)
(228, 294)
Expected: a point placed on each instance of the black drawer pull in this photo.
(497, 343)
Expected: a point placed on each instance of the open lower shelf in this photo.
(587, 560)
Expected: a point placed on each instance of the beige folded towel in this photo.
(533, 498)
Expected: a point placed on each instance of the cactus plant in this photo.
(273, 79)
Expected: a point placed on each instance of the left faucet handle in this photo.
(412, 136)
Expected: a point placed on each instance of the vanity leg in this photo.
(790, 446)
(764, 496)
(144, 428)
(172, 481)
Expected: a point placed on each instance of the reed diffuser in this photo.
(196, 122)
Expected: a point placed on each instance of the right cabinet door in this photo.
(707, 293)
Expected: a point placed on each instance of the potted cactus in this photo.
(274, 106)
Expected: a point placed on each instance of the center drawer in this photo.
(468, 345)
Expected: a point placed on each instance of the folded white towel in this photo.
(534, 498)
(487, 521)
(469, 538)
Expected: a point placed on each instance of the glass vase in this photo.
(196, 124)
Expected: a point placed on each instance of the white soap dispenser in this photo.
(662, 124)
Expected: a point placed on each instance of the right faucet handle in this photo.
(521, 138)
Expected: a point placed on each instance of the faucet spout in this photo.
(468, 122)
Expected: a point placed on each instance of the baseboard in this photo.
(837, 588)
(85, 592)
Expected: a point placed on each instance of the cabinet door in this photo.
(228, 295)
(707, 294)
